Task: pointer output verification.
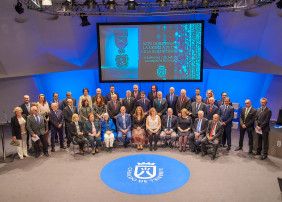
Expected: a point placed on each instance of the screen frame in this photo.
(150, 23)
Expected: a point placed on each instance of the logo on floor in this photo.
(145, 174)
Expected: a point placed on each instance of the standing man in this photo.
(247, 121)
(153, 95)
(56, 100)
(171, 99)
(211, 109)
(124, 127)
(144, 103)
(26, 111)
(209, 94)
(182, 102)
(37, 127)
(221, 102)
(69, 96)
(160, 104)
(56, 119)
(98, 92)
(136, 94)
(68, 112)
(197, 106)
(226, 114)
(262, 122)
(113, 107)
(129, 103)
(197, 93)
(111, 93)
(169, 126)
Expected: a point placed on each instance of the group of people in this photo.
(103, 119)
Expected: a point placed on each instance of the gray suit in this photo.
(173, 128)
(161, 108)
(202, 130)
(202, 106)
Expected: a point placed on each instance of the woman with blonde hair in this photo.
(153, 125)
(138, 127)
(184, 125)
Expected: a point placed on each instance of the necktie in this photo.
(144, 102)
(159, 103)
(128, 100)
(199, 123)
(246, 113)
(115, 105)
(208, 101)
(37, 119)
(182, 100)
(210, 108)
(225, 110)
(154, 95)
(135, 96)
(124, 125)
(171, 96)
(212, 130)
(168, 123)
(261, 109)
(197, 108)
(28, 108)
(56, 112)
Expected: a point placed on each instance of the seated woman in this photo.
(153, 125)
(99, 107)
(138, 127)
(76, 131)
(108, 132)
(93, 132)
(19, 132)
(84, 110)
(184, 125)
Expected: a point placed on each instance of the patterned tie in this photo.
(182, 100)
(197, 108)
(246, 113)
(169, 123)
(56, 112)
(212, 129)
(37, 119)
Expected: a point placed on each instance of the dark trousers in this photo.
(44, 143)
(195, 143)
(54, 132)
(153, 137)
(205, 142)
(69, 137)
(250, 135)
(263, 137)
(226, 136)
(81, 140)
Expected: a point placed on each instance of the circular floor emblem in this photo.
(145, 174)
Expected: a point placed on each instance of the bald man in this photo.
(171, 99)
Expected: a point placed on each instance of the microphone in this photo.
(5, 115)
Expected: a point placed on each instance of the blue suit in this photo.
(226, 115)
(120, 126)
(147, 106)
(208, 114)
(205, 100)
(61, 104)
(104, 128)
(171, 103)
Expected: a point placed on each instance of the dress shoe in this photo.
(238, 148)
(93, 152)
(111, 149)
(192, 150)
(141, 147)
(68, 145)
(184, 149)
(170, 145)
(97, 150)
(224, 146)
(53, 149)
(62, 147)
(165, 145)
(56, 141)
(155, 147)
(125, 145)
(257, 153)
(228, 148)
(180, 150)
(46, 154)
(37, 155)
(250, 152)
(204, 153)
(213, 157)
(263, 157)
(196, 151)
(26, 156)
(151, 147)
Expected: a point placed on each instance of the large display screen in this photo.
(171, 51)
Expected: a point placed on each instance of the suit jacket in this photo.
(104, 128)
(138, 95)
(186, 104)
(66, 103)
(226, 116)
(218, 131)
(162, 108)
(205, 100)
(194, 108)
(250, 119)
(111, 108)
(119, 122)
(88, 126)
(94, 98)
(193, 99)
(208, 114)
(109, 97)
(151, 97)
(263, 118)
(173, 104)
(61, 104)
(33, 127)
(203, 128)
(130, 108)
(147, 106)
(73, 130)
(55, 120)
(25, 110)
(220, 102)
(16, 128)
(68, 115)
(173, 122)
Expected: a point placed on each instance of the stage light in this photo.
(213, 18)
(184, 2)
(205, 3)
(91, 4)
(46, 2)
(84, 20)
(19, 8)
(162, 3)
(279, 4)
(111, 4)
(131, 4)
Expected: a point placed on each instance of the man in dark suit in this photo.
(182, 102)
(226, 115)
(37, 126)
(211, 109)
(247, 120)
(209, 94)
(98, 92)
(160, 104)
(136, 94)
(153, 95)
(197, 93)
(26, 111)
(213, 136)
(144, 103)
(199, 132)
(68, 112)
(262, 122)
(56, 100)
(69, 96)
(123, 126)
(169, 127)
(56, 119)
(113, 107)
(197, 106)
(221, 102)
(171, 99)
(111, 93)
(129, 103)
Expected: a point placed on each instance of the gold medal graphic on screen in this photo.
(121, 42)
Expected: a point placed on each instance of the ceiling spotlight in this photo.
(67, 5)
(84, 20)
(91, 4)
(184, 2)
(162, 3)
(213, 18)
(19, 8)
(131, 4)
(111, 4)
(279, 4)
(205, 3)
(46, 2)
